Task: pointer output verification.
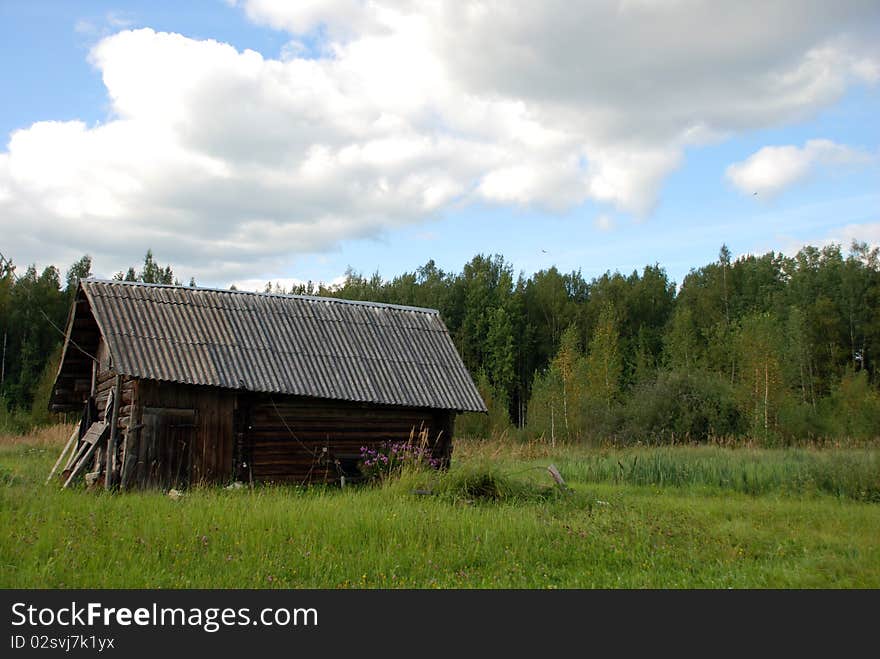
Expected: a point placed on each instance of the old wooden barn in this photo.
(182, 385)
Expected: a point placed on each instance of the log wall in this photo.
(172, 435)
(312, 440)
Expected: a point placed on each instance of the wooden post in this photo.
(130, 461)
(110, 465)
(130, 439)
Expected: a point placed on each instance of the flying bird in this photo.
(755, 194)
(544, 251)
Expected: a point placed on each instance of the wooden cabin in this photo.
(182, 385)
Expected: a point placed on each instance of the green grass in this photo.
(847, 473)
(670, 517)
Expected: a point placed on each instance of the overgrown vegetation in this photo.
(779, 350)
(692, 516)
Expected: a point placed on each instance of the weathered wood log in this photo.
(70, 442)
(110, 470)
(554, 473)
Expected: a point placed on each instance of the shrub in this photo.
(799, 421)
(679, 406)
(854, 407)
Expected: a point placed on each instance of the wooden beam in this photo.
(90, 442)
(70, 442)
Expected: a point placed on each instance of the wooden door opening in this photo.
(166, 439)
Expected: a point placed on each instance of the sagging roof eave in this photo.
(254, 390)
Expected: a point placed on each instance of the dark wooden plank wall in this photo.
(299, 439)
(211, 443)
(168, 434)
(252, 436)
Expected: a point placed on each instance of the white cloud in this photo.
(104, 25)
(227, 162)
(118, 19)
(83, 26)
(863, 232)
(286, 283)
(773, 168)
(604, 222)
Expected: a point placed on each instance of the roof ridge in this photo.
(307, 298)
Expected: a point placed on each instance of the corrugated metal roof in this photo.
(285, 344)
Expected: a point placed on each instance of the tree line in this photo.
(33, 317)
(773, 348)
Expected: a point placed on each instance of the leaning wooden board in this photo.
(89, 442)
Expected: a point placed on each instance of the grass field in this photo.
(696, 517)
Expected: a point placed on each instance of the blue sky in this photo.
(375, 139)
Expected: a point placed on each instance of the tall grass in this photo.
(46, 437)
(849, 473)
(494, 520)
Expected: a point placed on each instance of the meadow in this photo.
(661, 517)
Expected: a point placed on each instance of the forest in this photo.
(769, 349)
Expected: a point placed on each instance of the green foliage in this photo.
(604, 367)
(559, 396)
(496, 422)
(40, 414)
(570, 359)
(33, 310)
(854, 407)
(681, 406)
(500, 351)
(12, 420)
(760, 385)
(151, 273)
(682, 346)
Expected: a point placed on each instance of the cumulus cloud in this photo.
(771, 169)
(230, 162)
